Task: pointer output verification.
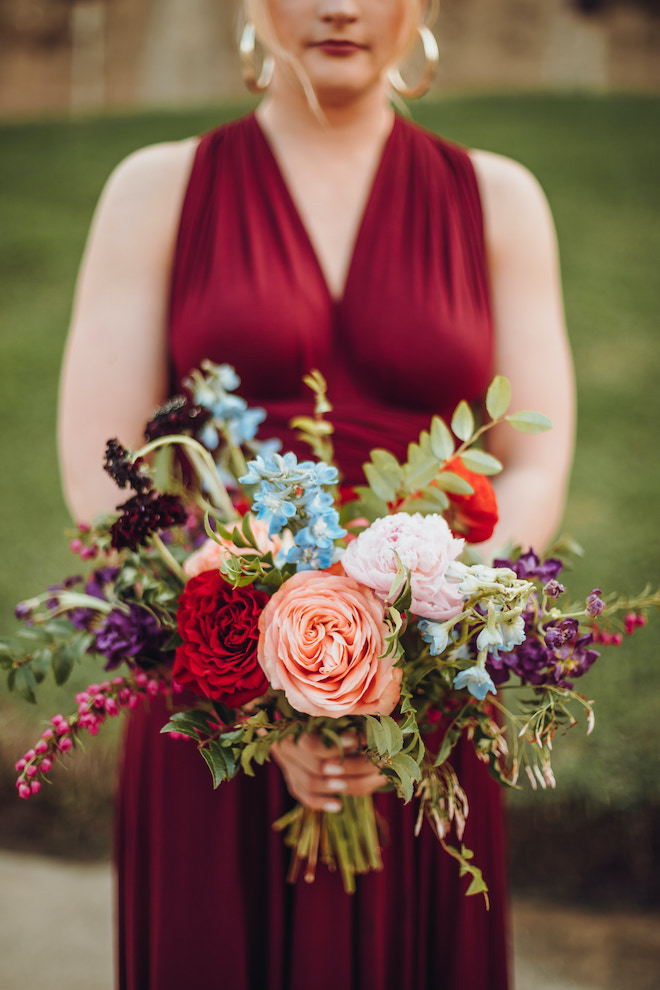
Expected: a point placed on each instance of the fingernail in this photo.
(333, 806)
(336, 785)
(333, 770)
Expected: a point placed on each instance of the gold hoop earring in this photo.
(431, 58)
(246, 49)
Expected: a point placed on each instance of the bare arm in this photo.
(115, 367)
(531, 350)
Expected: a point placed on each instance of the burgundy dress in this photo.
(202, 896)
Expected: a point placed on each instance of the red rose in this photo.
(475, 516)
(219, 626)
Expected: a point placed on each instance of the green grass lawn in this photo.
(597, 160)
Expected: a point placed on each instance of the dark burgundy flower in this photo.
(134, 636)
(123, 470)
(143, 515)
(179, 415)
(219, 626)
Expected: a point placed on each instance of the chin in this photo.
(333, 91)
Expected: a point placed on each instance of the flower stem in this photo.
(173, 564)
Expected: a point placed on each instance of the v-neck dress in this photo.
(202, 896)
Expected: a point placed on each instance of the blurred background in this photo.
(568, 87)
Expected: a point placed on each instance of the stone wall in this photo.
(61, 55)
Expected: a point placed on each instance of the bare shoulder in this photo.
(145, 191)
(514, 204)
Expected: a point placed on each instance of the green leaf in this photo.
(528, 421)
(40, 664)
(189, 724)
(10, 647)
(221, 762)
(246, 758)
(406, 762)
(370, 504)
(450, 482)
(421, 472)
(442, 442)
(63, 662)
(26, 684)
(387, 466)
(425, 506)
(498, 397)
(395, 740)
(377, 736)
(379, 484)
(480, 462)
(33, 636)
(59, 628)
(462, 422)
(247, 532)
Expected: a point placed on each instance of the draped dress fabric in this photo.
(202, 897)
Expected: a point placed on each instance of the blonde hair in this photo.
(256, 12)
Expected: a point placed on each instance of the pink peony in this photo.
(210, 554)
(425, 545)
(322, 642)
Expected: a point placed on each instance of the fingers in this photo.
(316, 776)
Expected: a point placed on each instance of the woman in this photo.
(320, 232)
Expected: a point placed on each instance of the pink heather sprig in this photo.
(97, 703)
(631, 622)
(84, 543)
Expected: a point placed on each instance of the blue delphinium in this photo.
(477, 680)
(291, 494)
(229, 413)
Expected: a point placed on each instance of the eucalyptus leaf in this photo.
(379, 484)
(528, 421)
(462, 422)
(480, 462)
(373, 507)
(442, 442)
(387, 466)
(498, 397)
(450, 482)
(420, 473)
(424, 506)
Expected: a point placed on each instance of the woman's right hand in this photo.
(316, 775)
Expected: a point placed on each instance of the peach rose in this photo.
(210, 555)
(322, 642)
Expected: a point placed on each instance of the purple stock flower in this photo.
(595, 603)
(546, 656)
(134, 636)
(553, 589)
(529, 567)
(82, 618)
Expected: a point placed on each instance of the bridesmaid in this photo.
(326, 142)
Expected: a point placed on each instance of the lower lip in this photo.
(339, 49)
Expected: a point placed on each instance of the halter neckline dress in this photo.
(202, 898)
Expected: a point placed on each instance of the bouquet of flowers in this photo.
(267, 601)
